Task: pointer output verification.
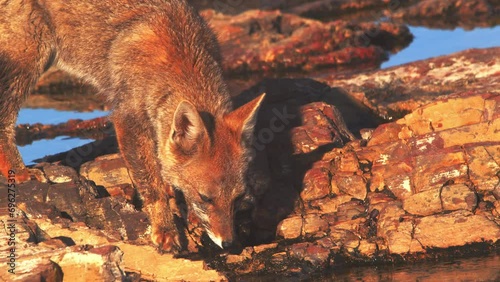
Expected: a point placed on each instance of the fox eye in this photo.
(205, 198)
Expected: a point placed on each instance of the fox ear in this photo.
(187, 127)
(245, 117)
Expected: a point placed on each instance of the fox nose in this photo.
(227, 244)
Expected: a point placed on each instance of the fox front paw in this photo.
(167, 241)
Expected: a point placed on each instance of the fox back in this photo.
(158, 64)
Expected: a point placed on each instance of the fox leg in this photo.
(10, 159)
(22, 61)
(138, 149)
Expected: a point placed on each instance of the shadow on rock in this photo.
(299, 121)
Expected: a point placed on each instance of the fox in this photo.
(159, 66)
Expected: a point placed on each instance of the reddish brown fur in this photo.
(158, 64)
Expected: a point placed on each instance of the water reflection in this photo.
(471, 269)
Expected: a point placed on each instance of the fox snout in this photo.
(219, 225)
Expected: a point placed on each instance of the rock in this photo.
(348, 164)
(458, 197)
(395, 230)
(97, 264)
(450, 13)
(350, 225)
(66, 198)
(166, 267)
(484, 166)
(424, 203)
(443, 14)
(60, 174)
(301, 7)
(98, 257)
(448, 198)
(110, 173)
(417, 189)
(322, 125)
(352, 185)
(314, 225)
(107, 171)
(496, 211)
(291, 227)
(350, 210)
(397, 91)
(367, 248)
(330, 204)
(317, 256)
(455, 229)
(261, 248)
(428, 150)
(256, 41)
(97, 128)
(316, 184)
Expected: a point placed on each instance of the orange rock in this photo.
(316, 184)
(455, 229)
(291, 228)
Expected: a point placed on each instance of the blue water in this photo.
(428, 43)
(42, 148)
(50, 116)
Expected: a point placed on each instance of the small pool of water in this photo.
(42, 148)
(428, 43)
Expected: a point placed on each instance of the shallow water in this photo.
(459, 270)
(428, 43)
(41, 148)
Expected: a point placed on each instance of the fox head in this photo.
(207, 160)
